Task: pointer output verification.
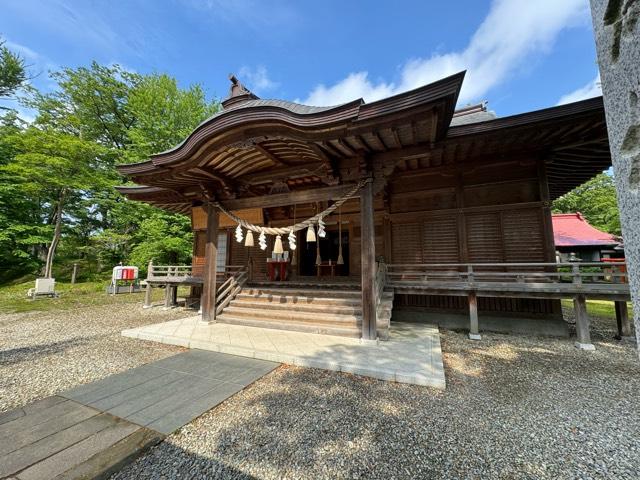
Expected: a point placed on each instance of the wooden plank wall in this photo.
(470, 213)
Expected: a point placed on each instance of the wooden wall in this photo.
(472, 212)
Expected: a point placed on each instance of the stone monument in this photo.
(616, 24)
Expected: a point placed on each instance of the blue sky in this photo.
(520, 55)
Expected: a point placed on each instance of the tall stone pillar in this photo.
(616, 24)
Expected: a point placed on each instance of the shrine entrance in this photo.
(329, 250)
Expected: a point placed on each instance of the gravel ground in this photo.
(43, 353)
(515, 407)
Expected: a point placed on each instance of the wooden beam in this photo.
(284, 173)
(208, 301)
(368, 263)
(269, 155)
(282, 199)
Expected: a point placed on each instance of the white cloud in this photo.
(22, 50)
(511, 35)
(590, 90)
(257, 79)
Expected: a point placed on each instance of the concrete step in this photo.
(278, 324)
(285, 315)
(297, 307)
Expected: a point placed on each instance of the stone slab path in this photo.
(411, 355)
(98, 427)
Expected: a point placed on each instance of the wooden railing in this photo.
(522, 273)
(181, 273)
(226, 292)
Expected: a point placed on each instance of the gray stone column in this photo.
(616, 24)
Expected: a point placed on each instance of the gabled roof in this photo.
(573, 230)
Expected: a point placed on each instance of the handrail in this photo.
(228, 290)
(163, 272)
(576, 273)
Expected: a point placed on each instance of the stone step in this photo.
(278, 324)
(289, 315)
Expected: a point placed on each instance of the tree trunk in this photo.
(56, 236)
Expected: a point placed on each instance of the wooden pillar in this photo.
(582, 323)
(174, 295)
(74, 273)
(474, 329)
(368, 263)
(208, 303)
(167, 296)
(622, 318)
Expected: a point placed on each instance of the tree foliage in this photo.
(13, 74)
(596, 200)
(57, 175)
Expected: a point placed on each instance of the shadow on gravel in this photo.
(33, 352)
(182, 464)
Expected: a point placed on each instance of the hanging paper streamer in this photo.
(311, 234)
(277, 247)
(262, 241)
(292, 240)
(321, 231)
(249, 240)
(239, 234)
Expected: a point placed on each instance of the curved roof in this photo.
(250, 120)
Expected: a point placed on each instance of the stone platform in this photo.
(411, 355)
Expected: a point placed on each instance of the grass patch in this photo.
(599, 308)
(13, 298)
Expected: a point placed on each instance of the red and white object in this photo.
(124, 273)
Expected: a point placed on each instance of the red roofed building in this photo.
(576, 239)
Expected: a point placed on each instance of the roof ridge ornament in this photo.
(238, 93)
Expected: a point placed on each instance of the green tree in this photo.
(596, 200)
(58, 171)
(164, 238)
(13, 74)
(125, 117)
(165, 114)
(91, 103)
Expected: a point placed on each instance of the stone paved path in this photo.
(98, 427)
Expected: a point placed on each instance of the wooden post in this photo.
(368, 263)
(174, 295)
(474, 331)
(167, 296)
(622, 318)
(582, 323)
(147, 293)
(74, 273)
(208, 302)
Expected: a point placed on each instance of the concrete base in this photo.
(475, 336)
(585, 346)
(528, 326)
(411, 355)
(366, 341)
